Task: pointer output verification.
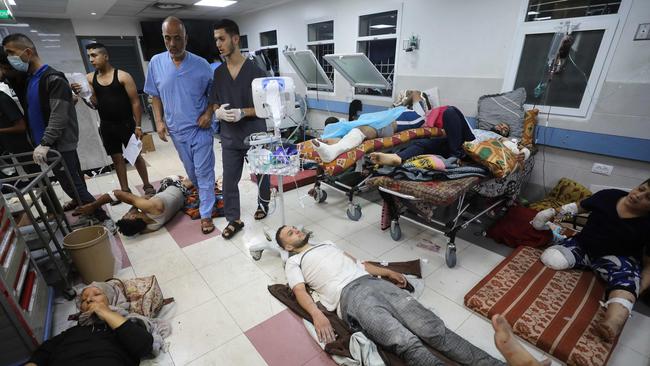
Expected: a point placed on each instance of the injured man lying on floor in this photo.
(147, 214)
(385, 312)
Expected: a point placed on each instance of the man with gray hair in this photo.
(179, 83)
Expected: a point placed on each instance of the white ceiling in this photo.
(81, 9)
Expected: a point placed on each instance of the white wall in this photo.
(107, 26)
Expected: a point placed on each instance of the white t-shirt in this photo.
(326, 269)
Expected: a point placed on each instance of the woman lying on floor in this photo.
(343, 136)
(615, 243)
(105, 335)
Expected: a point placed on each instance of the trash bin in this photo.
(90, 249)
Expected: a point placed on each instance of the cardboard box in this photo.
(147, 143)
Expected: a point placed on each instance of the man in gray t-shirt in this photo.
(231, 91)
(148, 213)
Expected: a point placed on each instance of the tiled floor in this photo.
(223, 313)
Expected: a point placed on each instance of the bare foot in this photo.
(614, 321)
(514, 353)
(385, 159)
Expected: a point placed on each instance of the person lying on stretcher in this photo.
(615, 243)
(148, 213)
(346, 135)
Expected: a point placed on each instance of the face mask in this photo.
(17, 63)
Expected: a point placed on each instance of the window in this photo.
(558, 59)
(269, 43)
(378, 40)
(320, 38)
(243, 42)
(123, 53)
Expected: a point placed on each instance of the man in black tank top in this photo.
(116, 99)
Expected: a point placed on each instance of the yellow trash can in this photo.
(90, 249)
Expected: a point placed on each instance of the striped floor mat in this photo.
(554, 310)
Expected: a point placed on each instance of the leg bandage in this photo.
(558, 258)
(351, 140)
(542, 217)
(619, 300)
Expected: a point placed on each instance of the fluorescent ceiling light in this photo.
(49, 34)
(22, 25)
(93, 13)
(216, 3)
(52, 46)
(33, 31)
(382, 26)
(533, 12)
(50, 40)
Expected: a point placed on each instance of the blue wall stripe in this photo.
(591, 142)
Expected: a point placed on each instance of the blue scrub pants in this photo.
(197, 156)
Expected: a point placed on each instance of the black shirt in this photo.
(10, 114)
(96, 345)
(608, 234)
(113, 103)
(239, 94)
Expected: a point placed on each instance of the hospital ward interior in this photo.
(316, 183)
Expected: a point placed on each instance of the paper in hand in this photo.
(132, 149)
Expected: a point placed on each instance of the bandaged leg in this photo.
(558, 258)
(542, 217)
(351, 140)
(627, 304)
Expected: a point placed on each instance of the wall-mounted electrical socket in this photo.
(642, 32)
(603, 169)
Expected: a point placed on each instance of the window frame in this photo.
(243, 49)
(611, 24)
(269, 46)
(396, 36)
(314, 91)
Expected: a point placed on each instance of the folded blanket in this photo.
(341, 346)
(413, 173)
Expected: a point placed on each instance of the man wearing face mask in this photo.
(179, 82)
(232, 93)
(51, 117)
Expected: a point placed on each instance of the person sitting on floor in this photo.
(387, 314)
(614, 243)
(147, 214)
(106, 334)
(346, 135)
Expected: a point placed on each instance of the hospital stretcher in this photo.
(342, 173)
(473, 197)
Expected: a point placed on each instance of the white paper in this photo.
(132, 150)
(80, 79)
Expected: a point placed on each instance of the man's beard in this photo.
(305, 241)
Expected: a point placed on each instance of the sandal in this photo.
(260, 213)
(207, 226)
(233, 228)
(149, 190)
(70, 205)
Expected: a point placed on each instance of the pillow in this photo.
(503, 108)
(493, 155)
(434, 96)
(483, 135)
(565, 191)
(528, 136)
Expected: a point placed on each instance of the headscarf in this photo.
(117, 302)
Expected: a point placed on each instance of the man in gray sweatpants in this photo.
(386, 313)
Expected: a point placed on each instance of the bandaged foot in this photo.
(556, 258)
(542, 217)
(351, 140)
(618, 311)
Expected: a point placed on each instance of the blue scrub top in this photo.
(34, 113)
(183, 90)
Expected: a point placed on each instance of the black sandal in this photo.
(149, 190)
(207, 226)
(260, 213)
(233, 228)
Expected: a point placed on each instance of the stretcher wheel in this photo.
(395, 231)
(354, 212)
(450, 255)
(320, 195)
(256, 254)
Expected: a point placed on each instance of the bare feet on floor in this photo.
(514, 353)
(385, 159)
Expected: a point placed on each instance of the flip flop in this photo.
(233, 228)
(207, 226)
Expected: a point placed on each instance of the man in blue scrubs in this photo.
(179, 82)
(231, 91)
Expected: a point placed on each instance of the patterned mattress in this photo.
(438, 193)
(348, 159)
(553, 310)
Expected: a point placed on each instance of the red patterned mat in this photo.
(554, 310)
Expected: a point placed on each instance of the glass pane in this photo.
(320, 31)
(381, 53)
(269, 38)
(307, 66)
(560, 9)
(243, 42)
(377, 24)
(321, 50)
(567, 86)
